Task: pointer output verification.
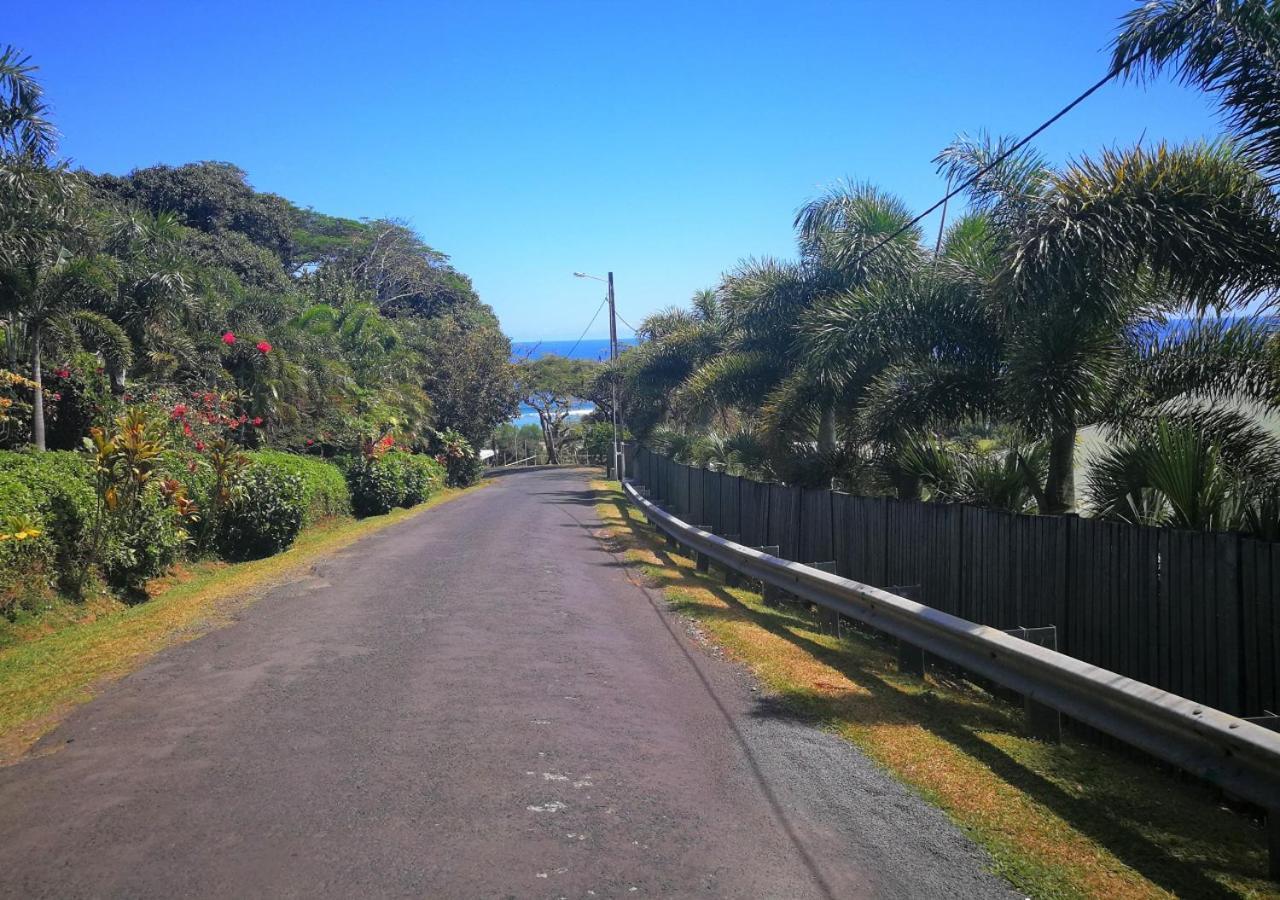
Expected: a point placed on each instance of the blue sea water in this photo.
(591, 348)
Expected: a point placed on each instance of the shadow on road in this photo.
(1094, 817)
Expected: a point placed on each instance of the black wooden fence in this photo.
(1193, 613)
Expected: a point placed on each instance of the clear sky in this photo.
(662, 140)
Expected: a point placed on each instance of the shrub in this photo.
(54, 492)
(324, 489)
(142, 545)
(460, 459)
(264, 515)
(419, 476)
(377, 487)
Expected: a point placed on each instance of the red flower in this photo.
(186, 428)
(228, 339)
(179, 410)
(310, 442)
(63, 373)
(199, 448)
(264, 346)
(257, 421)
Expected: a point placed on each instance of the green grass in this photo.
(61, 660)
(1058, 820)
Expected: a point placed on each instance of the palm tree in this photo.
(1230, 48)
(46, 299)
(1095, 252)
(25, 129)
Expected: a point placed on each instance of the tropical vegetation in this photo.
(192, 367)
(1128, 295)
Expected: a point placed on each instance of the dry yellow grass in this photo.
(44, 676)
(1068, 820)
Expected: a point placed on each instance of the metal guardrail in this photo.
(1238, 756)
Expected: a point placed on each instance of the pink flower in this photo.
(264, 346)
(199, 448)
(257, 421)
(63, 373)
(310, 442)
(57, 395)
(228, 339)
(179, 410)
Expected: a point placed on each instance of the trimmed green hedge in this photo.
(324, 489)
(381, 484)
(55, 491)
(264, 515)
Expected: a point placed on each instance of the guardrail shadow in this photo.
(958, 724)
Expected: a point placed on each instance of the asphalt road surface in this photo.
(477, 703)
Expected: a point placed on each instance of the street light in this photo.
(618, 461)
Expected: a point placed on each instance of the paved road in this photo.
(477, 703)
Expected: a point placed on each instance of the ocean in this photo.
(591, 348)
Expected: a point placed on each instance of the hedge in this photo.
(55, 491)
(324, 488)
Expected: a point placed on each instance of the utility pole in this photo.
(613, 383)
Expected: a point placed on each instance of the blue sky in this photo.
(664, 141)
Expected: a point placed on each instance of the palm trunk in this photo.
(827, 430)
(37, 412)
(907, 486)
(1060, 483)
(11, 338)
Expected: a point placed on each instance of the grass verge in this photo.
(45, 675)
(1058, 820)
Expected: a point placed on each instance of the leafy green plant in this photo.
(264, 514)
(324, 488)
(376, 488)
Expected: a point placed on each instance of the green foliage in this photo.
(418, 475)
(461, 461)
(141, 545)
(265, 513)
(324, 487)
(377, 487)
(53, 491)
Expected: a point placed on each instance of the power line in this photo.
(624, 321)
(1115, 71)
(569, 355)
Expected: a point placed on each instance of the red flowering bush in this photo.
(229, 338)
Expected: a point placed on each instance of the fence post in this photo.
(910, 657)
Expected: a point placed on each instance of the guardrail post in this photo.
(829, 618)
(1273, 842)
(1044, 722)
(771, 595)
(731, 578)
(910, 657)
(702, 562)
